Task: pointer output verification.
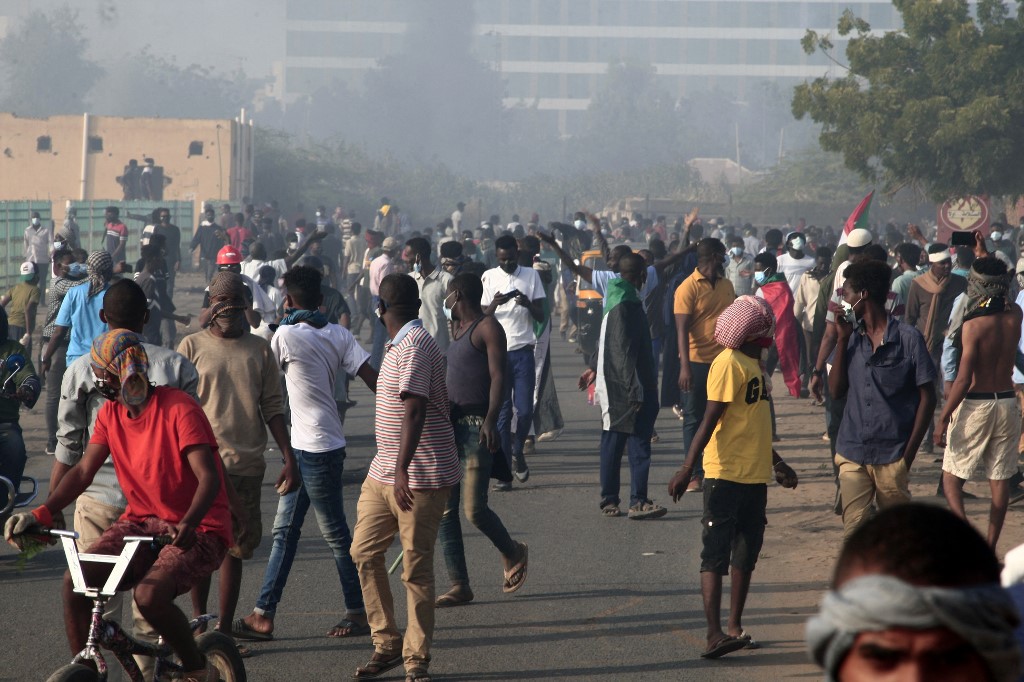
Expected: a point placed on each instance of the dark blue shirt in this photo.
(882, 400)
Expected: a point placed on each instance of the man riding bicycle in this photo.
(164, 453)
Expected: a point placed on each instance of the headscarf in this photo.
(228, 313)
(984, 616)
(985, 295)
(748, 318)
(100, 268)
(120, 352)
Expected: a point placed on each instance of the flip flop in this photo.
(354, 629)
(241, 630)
(751, 642)
(515, 578)
(417, 675)
(457, 596)
(243, 651)
(374, 668)
(724, 646)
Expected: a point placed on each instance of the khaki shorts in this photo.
(983, 432)
(248, 489)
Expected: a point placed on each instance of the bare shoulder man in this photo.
(981, 413)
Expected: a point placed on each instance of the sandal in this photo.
(351, 628)
(751, 642)
(243, 651)
(417, 675)
(457, 596)
(611, 511)
(726, 645)
(376, 667)
(242, 630)
(515, 577)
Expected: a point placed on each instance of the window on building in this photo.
(43, 143)
(195, 148)
(95, 144)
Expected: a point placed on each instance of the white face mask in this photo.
(580, 224)
(997, 236)
(798, 243)
(736, 251)
(35, 222)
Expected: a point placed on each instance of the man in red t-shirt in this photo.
(165, 456)
(239, 234)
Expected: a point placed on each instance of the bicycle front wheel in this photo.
(74, 673)
(222, 652)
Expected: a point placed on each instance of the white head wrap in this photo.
(984, 616)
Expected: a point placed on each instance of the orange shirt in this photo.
(703, 303)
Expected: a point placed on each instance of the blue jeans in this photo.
(378, 336)
(12, 458)
(520, 381)
(476, 466)
(695, 402)
(613, 443)
(321, 489)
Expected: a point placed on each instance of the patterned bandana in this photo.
(748, 318)
(120, 352)
(314, 317)
(100, 267)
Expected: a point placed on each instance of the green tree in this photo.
(45, 71)
(936, 106)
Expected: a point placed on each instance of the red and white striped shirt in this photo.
(413, 365)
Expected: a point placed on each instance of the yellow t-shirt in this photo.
(740, 449)
(703, 303)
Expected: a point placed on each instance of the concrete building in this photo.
(553, 53)
(82, 158)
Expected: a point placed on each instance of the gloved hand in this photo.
(19, 528)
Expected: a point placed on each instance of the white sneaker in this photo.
(549, 435)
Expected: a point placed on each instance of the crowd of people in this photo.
(908, 345)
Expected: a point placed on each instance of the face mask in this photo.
(761, 276)
(35, 222)
(736, 251)
(850, 312)
(57, 246)
(78, 270)
(798, 243)
(381, 309)
(445, 309)
(416, 267)
(580, 224)
(997, 236)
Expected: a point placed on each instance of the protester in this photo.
(313, 354)
(981, 411)
(79, 314)
(916, 596)
(475, 381)
(884, 371)
(380, 267)
(734, 440)
(627, 388)
(240, 392)
(67, 273)
(740, 268)
(174, 487)
(38, 244)
(20, 302)
(433, 285)
(773, 287)
(407, 486)
(116, 236)
(795, 261)
(804, 303)
(697, 303)
(22, 388)
(209, 238)
(515, 296)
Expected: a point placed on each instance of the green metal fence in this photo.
(14, 219)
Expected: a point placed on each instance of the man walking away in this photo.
(981, 411)
(475, 382)
(627, 388)
(38, 243)
(313, 354)
(735, 441)
(407, 486)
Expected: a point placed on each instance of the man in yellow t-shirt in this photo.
(697, 303)
(735, 436)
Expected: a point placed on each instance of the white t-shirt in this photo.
(313, 360)
(794, 268)
(514, 318)
(251, 267)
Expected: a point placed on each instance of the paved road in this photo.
(605, 598)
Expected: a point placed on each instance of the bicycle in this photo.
(219, 649)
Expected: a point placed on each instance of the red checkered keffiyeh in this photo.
(748, 318)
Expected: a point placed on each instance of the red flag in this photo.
(859, 217)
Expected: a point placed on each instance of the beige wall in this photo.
(223, 169)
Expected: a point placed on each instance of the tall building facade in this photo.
(553, 53)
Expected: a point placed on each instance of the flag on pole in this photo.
(859, 217)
